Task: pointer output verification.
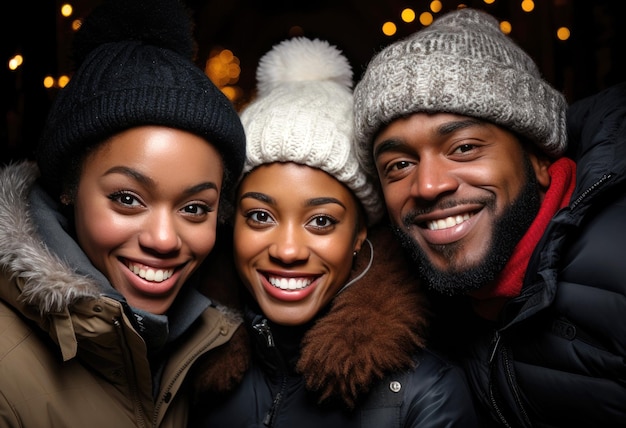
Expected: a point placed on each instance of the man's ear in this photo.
(540, 165)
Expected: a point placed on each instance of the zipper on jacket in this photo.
(132, 380)
(583, 195)
(492, 398)
(263, 329)
(268, 421)
(495, 343)
(509, 377)
(167, 390)
(513, 385)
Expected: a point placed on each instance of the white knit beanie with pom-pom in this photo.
(303, 113)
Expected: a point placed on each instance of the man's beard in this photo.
(507, 232)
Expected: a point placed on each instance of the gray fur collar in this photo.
(47, 282)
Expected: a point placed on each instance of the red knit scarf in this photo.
(488, 300)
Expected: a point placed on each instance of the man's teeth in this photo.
(149, 274)
(447, 222)
(289, 283)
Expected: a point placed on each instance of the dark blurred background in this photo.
(233, 35)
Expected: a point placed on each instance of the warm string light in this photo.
(408, 15)
(222, 67)
(528, 5)
(67, 10)
(390, 28)
(15, 62)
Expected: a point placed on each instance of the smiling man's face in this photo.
(461, 193)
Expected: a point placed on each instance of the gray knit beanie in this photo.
(303, 114)
(135, 67)
(461, 64)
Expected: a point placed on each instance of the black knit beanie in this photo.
(135, 67)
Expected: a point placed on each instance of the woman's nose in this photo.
(160, 233)
(289, 245)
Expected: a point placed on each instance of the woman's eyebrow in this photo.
(259, 197)
(323, 201)
(148, 182)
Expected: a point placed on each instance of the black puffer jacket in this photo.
(558, 357)
(362, 359)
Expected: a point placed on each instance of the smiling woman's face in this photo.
(296, 230)
(145, 211)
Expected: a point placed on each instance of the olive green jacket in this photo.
(71, 356)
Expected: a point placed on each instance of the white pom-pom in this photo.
(302, 59)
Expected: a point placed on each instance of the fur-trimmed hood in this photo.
(46, 283)
(88, 349)
(374, 327)
(46, 273)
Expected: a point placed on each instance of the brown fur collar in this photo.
(374, 327)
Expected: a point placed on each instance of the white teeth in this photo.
(289, 283)
(149, 274)
(447, 222)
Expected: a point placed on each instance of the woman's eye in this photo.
(197, 209)
(322, 222)
(126, 199)
(259, 216)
